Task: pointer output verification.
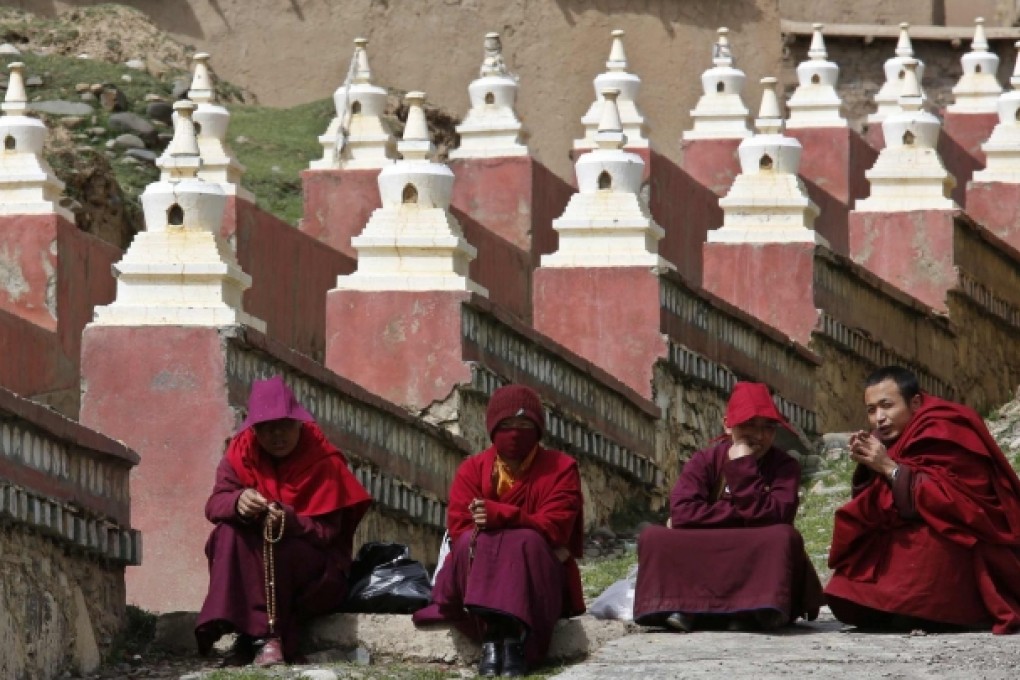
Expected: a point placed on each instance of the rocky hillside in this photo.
(104, 79)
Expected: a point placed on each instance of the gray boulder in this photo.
(58, 107)
(126, 121)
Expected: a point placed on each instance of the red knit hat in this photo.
(514, 400)
(750, 400)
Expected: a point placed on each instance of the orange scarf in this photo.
(505, 479)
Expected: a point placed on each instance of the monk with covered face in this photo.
(281, 479)
(931, 537)
(516, 525)
(731, 557)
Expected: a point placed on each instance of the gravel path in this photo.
(813, 650)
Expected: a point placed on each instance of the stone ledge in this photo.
(393, 636)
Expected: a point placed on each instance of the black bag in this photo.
(385, 580)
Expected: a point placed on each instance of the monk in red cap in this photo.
(516, 525)
(931, 537)
(732, 558)
(285, 507)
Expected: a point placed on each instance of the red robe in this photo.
(943, 542)
(323, 503)
(732, 547)
(513, 571)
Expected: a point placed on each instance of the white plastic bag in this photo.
(444, 550)
(616, 601)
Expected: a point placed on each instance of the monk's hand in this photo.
(275, 514)
(739, 449)
(477, 509)
(866, 449)
(251, 504)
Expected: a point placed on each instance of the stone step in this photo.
(393, 636)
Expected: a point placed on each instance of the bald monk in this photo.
(732, 558)
(931, 536)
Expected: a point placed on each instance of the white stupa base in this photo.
(419, 282)
(898, 194)
(1002, 154)
(412, 248)
(908, 178)
(29, 187)
(979, 95)
(766, 233)
(815, 111)
(606, 243)
(168, 315)
(182, 277)
(719, 116)
(489, 140)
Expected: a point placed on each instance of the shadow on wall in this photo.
(731, 13)
(177, 14)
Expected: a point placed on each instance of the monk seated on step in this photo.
(931, 536)
(285, 507)
(516, 525)
(731, 558)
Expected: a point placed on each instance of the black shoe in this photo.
(514, 665)
(489, 666)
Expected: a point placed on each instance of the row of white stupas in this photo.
(182, 272)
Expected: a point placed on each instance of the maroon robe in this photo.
(514, 571)
(737, 554)
(314, 556)
(942, 543)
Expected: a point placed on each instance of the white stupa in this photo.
(491, 128)
(768, 202)
(720, 113)
(815, 103)
(413, 243)
(627, 84)
(1002, 150)
(887, 98)
(978, 89)
(180, 271)
(219, 164)
(606, 223)
(357, 137)
(909, 175)
(28, 185)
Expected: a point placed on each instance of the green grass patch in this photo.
(277, 144)
(599, 574)
(824, 492)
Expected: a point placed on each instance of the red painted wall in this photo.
(996, 207)
(291, 274)
(686, 210)
(832, 167)
(402, 346)
(506, 207)
(609, 316)
(713, 163)
(338, 204)
(162, 391)
(911, 250)
(772, 282)
(58, 275)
